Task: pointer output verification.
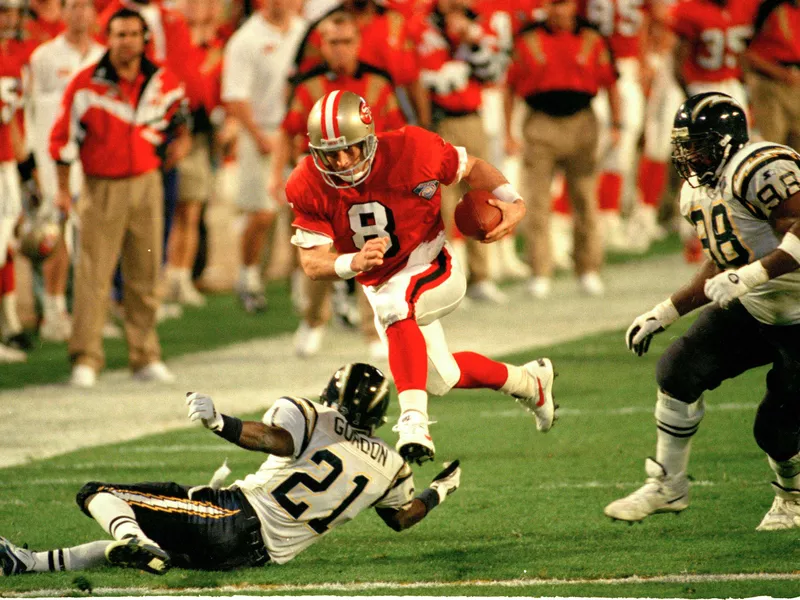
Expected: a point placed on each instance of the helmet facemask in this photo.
(353, 175)
(699, 158)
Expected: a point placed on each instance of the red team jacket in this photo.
(14, 55)
(621, 21)
(717, 35)
(400, 198)
(118, 136)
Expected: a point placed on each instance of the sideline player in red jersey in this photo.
(376, 200)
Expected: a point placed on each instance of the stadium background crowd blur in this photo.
(572, 99)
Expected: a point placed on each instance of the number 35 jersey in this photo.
(732, 221)
(336, 473)
(400, 199)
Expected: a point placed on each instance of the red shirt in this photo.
(14, 55)
(368, 82)
(41, 31)
(553, 61)
(716, 35)
(621, 21)
(400, 198)
(453, 70)
(776, 33)
(117, 125)
(384, 44)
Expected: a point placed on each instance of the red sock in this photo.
(652, 180)
(561, 204)
(408, 356)
(477, 371)
(609, 191)
(7, 283)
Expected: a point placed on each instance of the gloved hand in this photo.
(646, 325)
(729, 285)
(202, 407)
(447, 482)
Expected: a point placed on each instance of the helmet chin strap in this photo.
(726, 142)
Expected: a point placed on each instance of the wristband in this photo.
(430, 498)
(506, 193)
(753, 275)
(26, 168)
(791, 245)
(666, 312)
(342, 266)
(231, 429)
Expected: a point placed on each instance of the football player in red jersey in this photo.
(376, 200)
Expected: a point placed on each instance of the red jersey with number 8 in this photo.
(400, 199)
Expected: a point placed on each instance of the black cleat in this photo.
(133, 553)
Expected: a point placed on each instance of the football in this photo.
(474, 216)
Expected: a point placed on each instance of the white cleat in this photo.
(83, 376)
(155, 372)
(539, 287)
(308, 340)
(189, 295)
(11, 355)
(486, 291)
(591, 285)
(56, 328)
(785, 510)
(414, 443)
(14, 560)
(661, 493)
(541, 403)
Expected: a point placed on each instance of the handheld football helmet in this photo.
(360, 392)
(39, 236)
(340, 121)
(708, 129)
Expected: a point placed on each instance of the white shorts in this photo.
(10, 206)
(254, 169)
(425, 293)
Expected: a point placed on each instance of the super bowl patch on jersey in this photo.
(427, 189)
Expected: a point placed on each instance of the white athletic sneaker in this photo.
(486, 291)
(541, 403)
(13, 559)
(83, 376)
(308, 340)
(378, 350)
(661, 493)
(11, 355)
(56, 328)
(155, 371)
(785, 509)
(591, 284)
(539, 287)
(414, 443)
(133, 553)
(166, 311)
(190, 295)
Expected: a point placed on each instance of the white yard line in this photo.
(42, 421)
(367, 586)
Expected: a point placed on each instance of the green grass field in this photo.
(529, 509)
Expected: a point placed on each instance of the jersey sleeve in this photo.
(308, 213)
(439, 159)
(400, 492)
(297, 416)
(764, 181)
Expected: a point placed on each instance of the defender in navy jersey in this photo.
(325, 467)
(744, 201)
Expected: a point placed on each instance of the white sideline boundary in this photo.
(367, 586)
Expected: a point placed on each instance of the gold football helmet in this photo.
(342, 122)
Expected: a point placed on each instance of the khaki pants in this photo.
(568, 143)
(119, 218)
(776, 109)
(468, 132)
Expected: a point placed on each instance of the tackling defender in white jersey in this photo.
(744, 202)
(325, 467)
